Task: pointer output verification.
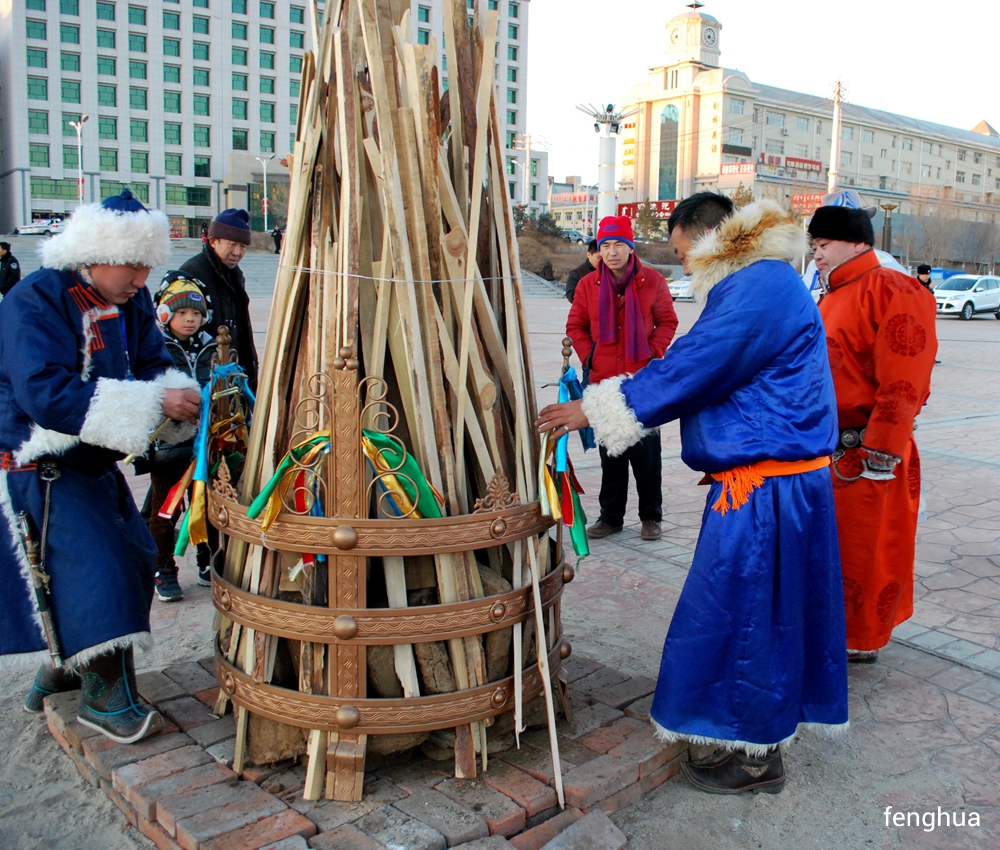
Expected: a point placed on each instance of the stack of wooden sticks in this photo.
(399, 270)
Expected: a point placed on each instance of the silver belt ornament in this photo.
(877, 466)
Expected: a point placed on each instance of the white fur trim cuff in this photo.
(123, 415)
(614, 422)
(143, 640)
(44, 442)
(95, 235)
(829, 730)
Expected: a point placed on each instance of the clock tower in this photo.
(693, 37)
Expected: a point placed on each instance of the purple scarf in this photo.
(636, 342)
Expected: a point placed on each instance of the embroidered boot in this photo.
(738, 773)
(111, 701)
(48, 681)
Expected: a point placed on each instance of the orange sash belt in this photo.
(739, 483)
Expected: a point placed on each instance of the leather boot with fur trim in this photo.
(111, 703)
(738, 773)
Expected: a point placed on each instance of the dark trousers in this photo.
(644, 458)
(163, 529)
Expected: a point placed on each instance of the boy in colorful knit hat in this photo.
(182, 311)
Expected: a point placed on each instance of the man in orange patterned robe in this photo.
(882, 341)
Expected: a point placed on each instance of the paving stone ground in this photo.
(925, 720)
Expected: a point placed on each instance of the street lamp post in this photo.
(611, 119)
(887, 227)
(78, 126)
(264, 161)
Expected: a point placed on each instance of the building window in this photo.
(203, 166)
(69, 34)
(240, 110)
(267, 85)
(977, 157)
(774, 146)
(735, 136)
(802, 151)
(534, 191)
(199, 25)
(239, 56)
(977, 179)
(38, 156)
(846, 157)
(35, 5)
(512, 32)
(240, 140)
(107, 127)
(802, 125)
(511, 95)
(137, 16)
(267, 142)
(37, 58)
(201, 104)
(239, 82)
(172, 163)
(423, 14)
(512, 75)
(140, 162)
(423, 37)
(907, 144)
(107, 66)
(138, 130)
(847, 133)
(70, 157)
(295, 64)
(177, 194)
(511, 53)
(512, 10)
(297, 39)
(239, 31)
(38, 122)
(511, 116)
(70, 91)
(959, 176)
(926, 147)
(267, 35)
(267, 113)
(171, 20)
(108, 159)
(867, 161)
(297, 14)
(171, 47)
(293, 113)
(511, 140)
(883, 153)
(775, 119)
(106, 38)
(107, 95)
(199, 76)
(172, 101)
(961, 155)
(67, 130)
(69, 7)
(267, 11)
(136, 70)
(171, 73)
(267, 60)
(35, 29)
(202, 136)
(925, 171)
(239, 7)
(293, 88)
(199, 51)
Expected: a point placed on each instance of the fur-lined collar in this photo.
(760, 231)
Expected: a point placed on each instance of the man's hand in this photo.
(181, 405)
(562, 418)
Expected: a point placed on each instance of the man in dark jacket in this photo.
(10, 269)
(218, 269)
(582, 270)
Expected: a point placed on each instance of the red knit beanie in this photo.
(619, 228)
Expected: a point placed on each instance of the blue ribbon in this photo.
(573, 389)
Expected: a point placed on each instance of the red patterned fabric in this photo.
(882, 341)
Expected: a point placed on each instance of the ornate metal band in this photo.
(421, 624)
(379, 716)
(328, 536)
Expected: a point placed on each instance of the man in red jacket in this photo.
(622, 317)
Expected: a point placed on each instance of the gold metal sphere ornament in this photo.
(498, 528)
(346, 352)
(338, 364)
(229, 684)
(565, 650)
(568, 573)
(347, 717)
(345, 537)
(499, 698)
(345, 627)
(222, 517)
(352, 364)
(497, 612)
(225, 600)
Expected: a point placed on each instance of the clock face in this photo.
(709, 36)
(675, 37)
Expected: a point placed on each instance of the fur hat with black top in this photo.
(118, 232)
(842, 224)
(231, 224)
(176, 291)
(619, 228)
(923, 268)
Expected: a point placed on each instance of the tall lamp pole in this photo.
(887, 227)
(78, 126)
(264, 161)
(609, 118)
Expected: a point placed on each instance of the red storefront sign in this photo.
(807, 204)
(739, 168)
(573, 198)
(803, 164)
(660, 209)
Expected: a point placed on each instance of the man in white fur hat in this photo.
(85, 379)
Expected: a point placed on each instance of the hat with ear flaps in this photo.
(118, 232)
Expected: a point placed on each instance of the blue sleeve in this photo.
(748, 320)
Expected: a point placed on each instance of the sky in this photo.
(925, 59)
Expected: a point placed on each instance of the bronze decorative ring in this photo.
(498, 528)
(222, 517)
(229, 684)
(347, 717)
(497, 612)
(499, 697)
(225, 600)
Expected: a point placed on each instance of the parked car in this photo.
(575, 236)
(41, 227)
(967, 294)
(680, 290)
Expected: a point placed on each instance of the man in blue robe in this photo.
(85, 379)
(755, 649)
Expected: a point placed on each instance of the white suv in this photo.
(967, 294)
